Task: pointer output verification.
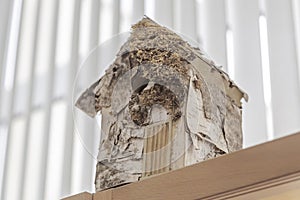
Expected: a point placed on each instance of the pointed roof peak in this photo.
(145, 22)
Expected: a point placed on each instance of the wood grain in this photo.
(270, 171)
(227, 173)
(104, 195)
(81, 196)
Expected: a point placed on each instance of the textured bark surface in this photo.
(164, 106)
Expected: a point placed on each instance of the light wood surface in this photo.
(104, 195)
(269, 171)
(286, 191)
(82, 196)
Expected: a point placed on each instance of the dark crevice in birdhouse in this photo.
(141, 103)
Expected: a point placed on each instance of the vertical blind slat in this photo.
(94, 21)
(285, 89)
(164, 12)
(38, 120)
(48, 99)
(5, 24)
(296, 14)
(69, 132)
(29, 98)
(116, 17)
(138, 10)
(3, 144)
(14, 144)
(212, 24)
(54, 170)
(33, 166)
(13, 164)
(185, 18)
(247, 65)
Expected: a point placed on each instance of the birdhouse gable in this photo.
(164, 106)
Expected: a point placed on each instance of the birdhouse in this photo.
(164, 106)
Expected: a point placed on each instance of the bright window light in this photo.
(85, 28)
(106, 16)
(55, 160)
(230, 54)
(34, 156)
(12, 45)
(27, 41)
(3, 140)
(296, 16)
(150, 8)
(126, 15)
(65, 31)
(14, 165)
(77, 158)
(263, 31)
(45, 44)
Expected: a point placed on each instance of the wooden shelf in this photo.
(266, 171)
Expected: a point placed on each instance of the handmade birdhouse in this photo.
(164, 106)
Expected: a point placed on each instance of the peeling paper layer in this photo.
(164, 106)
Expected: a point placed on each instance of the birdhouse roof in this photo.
(150, 43)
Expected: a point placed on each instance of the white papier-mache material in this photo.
(164, 106)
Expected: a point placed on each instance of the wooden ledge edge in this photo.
(247, 170)
(103, 195)
(81, 196)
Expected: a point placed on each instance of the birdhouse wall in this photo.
(164, 106)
